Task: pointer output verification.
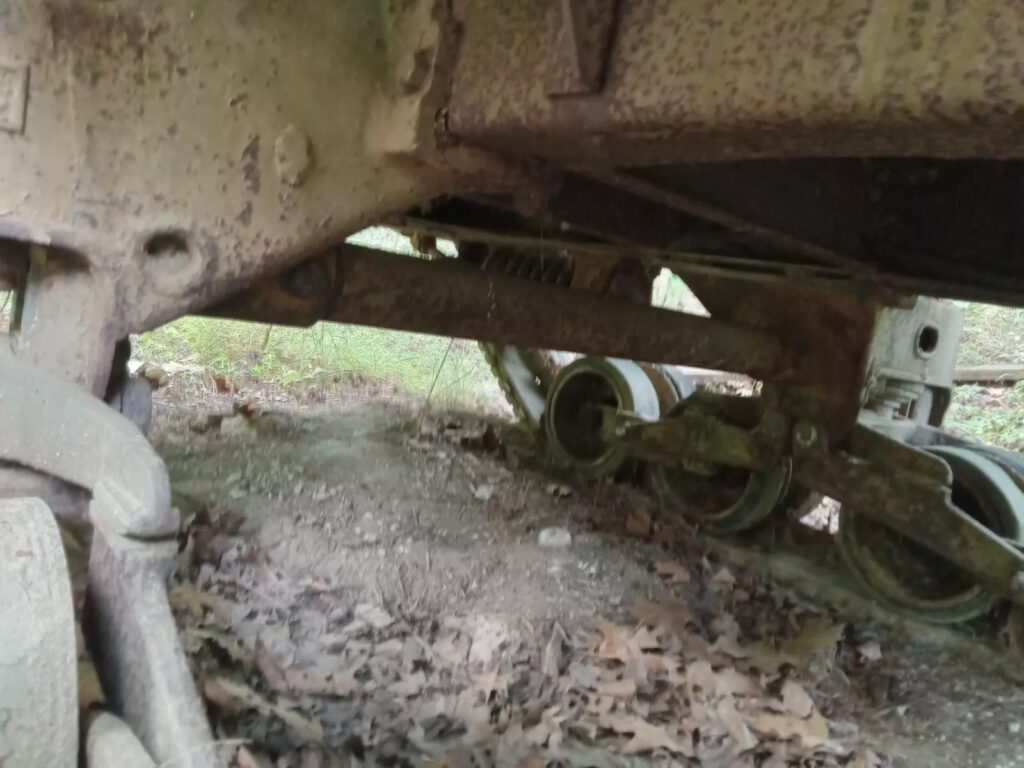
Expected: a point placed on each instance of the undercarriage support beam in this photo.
(367, 287)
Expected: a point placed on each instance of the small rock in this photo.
(638, 523)
(556, 538)
(483, 492)
(870, 651)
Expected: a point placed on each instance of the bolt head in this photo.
(805, 434)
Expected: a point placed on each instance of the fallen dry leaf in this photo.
(622, 689)
(730, 646)
(796, 700)
(735, 725)
(638, 523)
(729, 681)
(233, 696)
(672, 571)
(810, 732)
(410, 685)
(645, 736)
(491, 682)
(700, 677)
(612, 642)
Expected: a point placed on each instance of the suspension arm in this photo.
(891, 488)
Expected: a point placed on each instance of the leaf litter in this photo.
(701, 665)
(410, 690)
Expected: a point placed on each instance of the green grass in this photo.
(992, 334)
(325, 355)
(994, 416)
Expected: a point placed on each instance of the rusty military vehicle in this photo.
(817, 173)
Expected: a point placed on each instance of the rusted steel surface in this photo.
(890, 487)
(139, 656)
(829, 330)
(452, 299)
(577, 55)
(182, 149)
(734, 79)
(53, 426)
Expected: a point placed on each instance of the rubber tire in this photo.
(38, 658)
(1008, 508)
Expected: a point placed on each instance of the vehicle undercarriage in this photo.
(816, 173)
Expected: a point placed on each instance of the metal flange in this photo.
(573, 414)
(721, 500)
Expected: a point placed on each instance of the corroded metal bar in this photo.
(453, 299)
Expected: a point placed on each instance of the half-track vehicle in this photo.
(825, 177)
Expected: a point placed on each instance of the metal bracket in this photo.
(695, 434)
(58, 428)
(909, 491)
(582, 37)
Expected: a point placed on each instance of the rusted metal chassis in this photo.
(158, 156)
(367, 287)
(167, 154)
(646, 82)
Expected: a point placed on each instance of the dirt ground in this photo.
(361, 584)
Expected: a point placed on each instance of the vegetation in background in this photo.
(992, 334)
(326, 356)
(992, 414)
(329, 355)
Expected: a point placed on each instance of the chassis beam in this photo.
(366, 287)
